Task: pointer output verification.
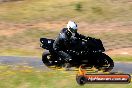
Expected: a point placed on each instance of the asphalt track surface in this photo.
(35, 62)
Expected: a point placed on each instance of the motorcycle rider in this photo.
(66, 36)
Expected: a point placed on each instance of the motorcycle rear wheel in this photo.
(47, 59)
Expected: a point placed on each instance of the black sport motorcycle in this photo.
(89, 52)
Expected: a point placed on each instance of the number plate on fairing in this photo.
(49, 41)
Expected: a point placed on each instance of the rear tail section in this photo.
(46, 43)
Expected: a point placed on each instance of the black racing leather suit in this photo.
(66, 40)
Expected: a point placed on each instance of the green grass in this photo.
(20, 52)
(27, 77)
(122, 58)
(79, 10)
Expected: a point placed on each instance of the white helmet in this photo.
(72, 26)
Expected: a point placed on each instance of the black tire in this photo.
(47, 60)
(81, 80)
(105, 63)
(66, 66)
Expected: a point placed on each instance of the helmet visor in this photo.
(73, 30)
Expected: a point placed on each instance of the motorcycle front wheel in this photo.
(104, 62)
